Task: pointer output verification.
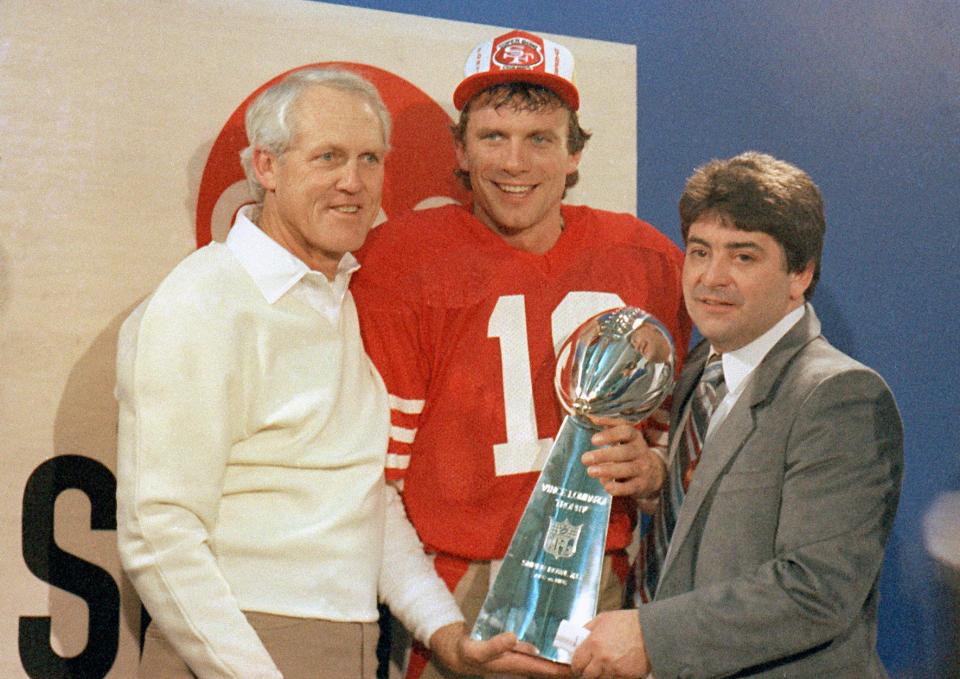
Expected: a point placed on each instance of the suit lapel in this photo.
(727, 439)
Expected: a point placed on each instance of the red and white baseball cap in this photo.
(518, 56)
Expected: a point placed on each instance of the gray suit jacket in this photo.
(775, 559)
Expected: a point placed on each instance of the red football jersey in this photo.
(465, 331)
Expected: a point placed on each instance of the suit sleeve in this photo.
(840, 486)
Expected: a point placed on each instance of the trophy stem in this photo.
(552, 569)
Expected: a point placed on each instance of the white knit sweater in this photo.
(252, 436)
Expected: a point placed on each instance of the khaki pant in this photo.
(301, 648)
(472, 590)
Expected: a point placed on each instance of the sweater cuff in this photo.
(409, 584)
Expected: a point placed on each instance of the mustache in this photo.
(723, 296)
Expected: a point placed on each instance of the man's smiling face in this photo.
(518, 163)
(323, 191)
(736, 284)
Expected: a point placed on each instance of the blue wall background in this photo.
(865, 96)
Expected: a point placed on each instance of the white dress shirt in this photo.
(739, 364)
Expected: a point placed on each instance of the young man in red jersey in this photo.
(464, 308)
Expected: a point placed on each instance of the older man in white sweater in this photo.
(253, 516)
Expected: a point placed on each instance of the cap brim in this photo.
(478, 82)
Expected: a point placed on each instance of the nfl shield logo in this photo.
(561, 539)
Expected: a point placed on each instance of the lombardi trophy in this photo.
(616, 367)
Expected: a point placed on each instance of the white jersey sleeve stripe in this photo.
(395, 461)
(406, 405)
(402, 434)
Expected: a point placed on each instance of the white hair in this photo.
(267, 119)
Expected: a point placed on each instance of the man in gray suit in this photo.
(769, 536)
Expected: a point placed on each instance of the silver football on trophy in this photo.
(617, 366)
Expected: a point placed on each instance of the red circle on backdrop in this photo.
(419, 166)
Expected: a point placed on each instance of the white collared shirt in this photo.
(740, 364)
(276, 271)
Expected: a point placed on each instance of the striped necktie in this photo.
(710, 390)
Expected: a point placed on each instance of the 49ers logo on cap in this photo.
(518, 52)
(518, 56)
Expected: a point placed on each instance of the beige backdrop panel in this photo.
(108, 110)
